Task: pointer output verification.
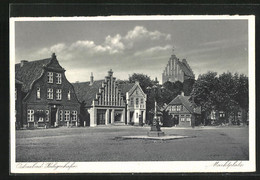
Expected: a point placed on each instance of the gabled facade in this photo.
(177, 70)
(103, 99)
(49, 98)
(183, 111)
(136, 103)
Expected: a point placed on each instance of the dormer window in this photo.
(69, 95)
(38, 93)
(58, 76)
(50, 77)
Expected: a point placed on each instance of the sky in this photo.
(129, 47)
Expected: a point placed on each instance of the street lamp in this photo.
(155, 126)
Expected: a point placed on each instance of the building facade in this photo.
(18, 103)
(49, 98)
(177, 70)
(183, 111)
(103, 100)
(135, 103)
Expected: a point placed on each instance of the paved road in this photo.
(102, 144)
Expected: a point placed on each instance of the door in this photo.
(176, 119)
(109, 118)
(118, 115)
(141, 118)
(101, 115)
(53, 116)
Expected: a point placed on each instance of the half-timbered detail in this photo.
(184, 112)
(47, 94)
(103, 100)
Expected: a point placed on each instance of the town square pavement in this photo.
(103, 143)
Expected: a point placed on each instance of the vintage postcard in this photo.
(132, 94)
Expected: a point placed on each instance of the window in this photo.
(61, 113)
(239, 114)
(179, 108)
(66, 115)
(30, 115)
(50, 77)
(173, 108)
(58, 76)
(132, 101)
(74, 115)
(136, 115)
(182, 118)
(15, 94)
(47, 115)
(188, 118)
(142, 101)
(40, 118)
(49, 93)
(58, 94)
(137, 92)
(137, 101)
(38, 93)
(69, 95)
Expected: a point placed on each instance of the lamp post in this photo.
(155, 126)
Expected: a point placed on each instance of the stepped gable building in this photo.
(44, 97)
(135, 100)
(177, 70)
(184, 111)
(103, 100)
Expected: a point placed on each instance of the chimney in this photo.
(23, 62)
(110, 73)
(182, 93)
(91, 79)
(53, 56)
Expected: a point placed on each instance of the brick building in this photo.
(183, 111)
(48, 97)
(103, 100)
(110, 102)
(177, 70)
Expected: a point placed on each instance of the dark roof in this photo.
(184, 100)
(185, 69)
(125, 87)
(87, 93)
(29, 72)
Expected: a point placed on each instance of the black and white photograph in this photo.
(118, 94)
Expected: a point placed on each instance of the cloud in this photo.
(124, 53)
(141, 32)
(152, 50)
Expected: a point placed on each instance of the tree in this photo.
(84, 115)
(144, 81)
(227, 93)
(187, 86)
(204, 93)
(242, 96)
